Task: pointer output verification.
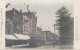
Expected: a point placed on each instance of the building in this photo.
(17, 19)
(39, 31)
(48, 35)
(25, 25)
(32, 21)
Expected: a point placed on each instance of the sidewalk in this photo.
(19, 46)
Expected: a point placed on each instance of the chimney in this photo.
(21, 11)
(13, 8)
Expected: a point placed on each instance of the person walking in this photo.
(54, 43)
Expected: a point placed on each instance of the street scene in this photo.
(30, 24)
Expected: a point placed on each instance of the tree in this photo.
(66, 24)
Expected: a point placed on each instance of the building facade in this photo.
(39, 31)
(9, 27)
(32, 21)
(17, 18)
(48, 35)
(25, 25)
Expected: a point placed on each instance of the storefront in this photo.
(22, 39)
(10, 40)
(16, 39)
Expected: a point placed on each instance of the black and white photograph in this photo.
(39, 24)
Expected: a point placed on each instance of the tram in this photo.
(36, 41)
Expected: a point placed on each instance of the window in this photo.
(24, 29)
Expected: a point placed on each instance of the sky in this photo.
(45, 10)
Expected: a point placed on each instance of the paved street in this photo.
(48, 45)
(25, 46)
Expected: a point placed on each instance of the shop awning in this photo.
(27, 37)
(21, 36)
(10, 37)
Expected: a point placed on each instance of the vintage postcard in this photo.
(39, 24)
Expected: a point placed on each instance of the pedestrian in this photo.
(53, 43)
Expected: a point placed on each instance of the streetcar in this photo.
(36, 41)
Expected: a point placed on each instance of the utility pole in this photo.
(54, 28)
(54, 36)
(27, 7)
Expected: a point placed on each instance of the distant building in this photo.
(39, 31)
(17, 19)
(48, 35)
(32, 21)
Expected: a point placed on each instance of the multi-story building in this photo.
(17, 19)
(32, 21)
